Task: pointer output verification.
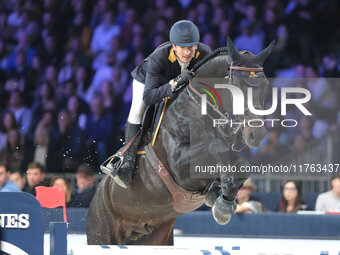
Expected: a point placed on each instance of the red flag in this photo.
(51, 197)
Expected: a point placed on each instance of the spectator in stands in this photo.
(14, 153)
(6, 185)
(43, 96)
(249, 40)
(62, 180)
(291, 200)
(21, 112)
(272, 150)
(245, 203)
(42, 139)
(330, 200)
(82, 79)
(67, 144)
(84, 191)
(8, 122)
(35, 177)
(99, 129)
(18, 177)
(77, 109)
(104, 32)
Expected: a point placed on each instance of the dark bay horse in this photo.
(145, 212)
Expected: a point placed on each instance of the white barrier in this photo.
(132, 250)
(218, 245)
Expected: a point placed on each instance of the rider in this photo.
(156, 78)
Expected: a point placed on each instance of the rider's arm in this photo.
(156, 89)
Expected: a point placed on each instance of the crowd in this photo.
(65, 84)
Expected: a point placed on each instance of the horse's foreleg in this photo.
(225, 205)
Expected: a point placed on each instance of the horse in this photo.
(163, 186)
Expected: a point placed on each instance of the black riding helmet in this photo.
(184, 33)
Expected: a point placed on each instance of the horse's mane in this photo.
(211, 55)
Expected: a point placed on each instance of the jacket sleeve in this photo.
(156, 89)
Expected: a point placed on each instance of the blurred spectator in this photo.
(209, 40)
(18, 177)
(24, 47)
(66, 72)
(99, 130)
(6, 185)
(291, 200)
(104, 32)
(15, 19)
(299, 143)
(67, 144)
(50, 75)
(82, 30)
(299, 18)
(85, 188)
(42, 140)
(14, 154)
(106, 89)
(21, 112)
(272, 150)
(8, 122)
(249, 40)
(62, 180)
(245, 204)
(329, 67)
(323, 95)
(35, 177)
(77, 109)
(330, 200)
(82, 79)
(44, 97)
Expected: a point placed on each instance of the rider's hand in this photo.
(183, 78)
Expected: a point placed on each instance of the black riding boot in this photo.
(124, 176)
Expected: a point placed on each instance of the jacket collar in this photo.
(172, 56)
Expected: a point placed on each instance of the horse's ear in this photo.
(263, 55)
(233, 52)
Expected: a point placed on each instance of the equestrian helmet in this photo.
(184, 33)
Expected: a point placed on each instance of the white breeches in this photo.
(138, 106)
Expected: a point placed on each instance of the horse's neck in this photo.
(173, 145)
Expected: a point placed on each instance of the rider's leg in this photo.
(124, 176)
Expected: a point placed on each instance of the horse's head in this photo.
(246, 72)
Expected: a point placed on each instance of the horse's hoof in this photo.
(223, 210)
(211, 196)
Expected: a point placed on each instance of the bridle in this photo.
(231, 132)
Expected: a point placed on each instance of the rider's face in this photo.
(184, 54)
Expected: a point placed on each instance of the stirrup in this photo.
(111, 165)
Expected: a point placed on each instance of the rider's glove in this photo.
(184, 78)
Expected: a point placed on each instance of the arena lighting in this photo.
(238, 100)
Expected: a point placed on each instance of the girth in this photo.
(183, 201)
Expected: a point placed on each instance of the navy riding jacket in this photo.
(159, 68)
